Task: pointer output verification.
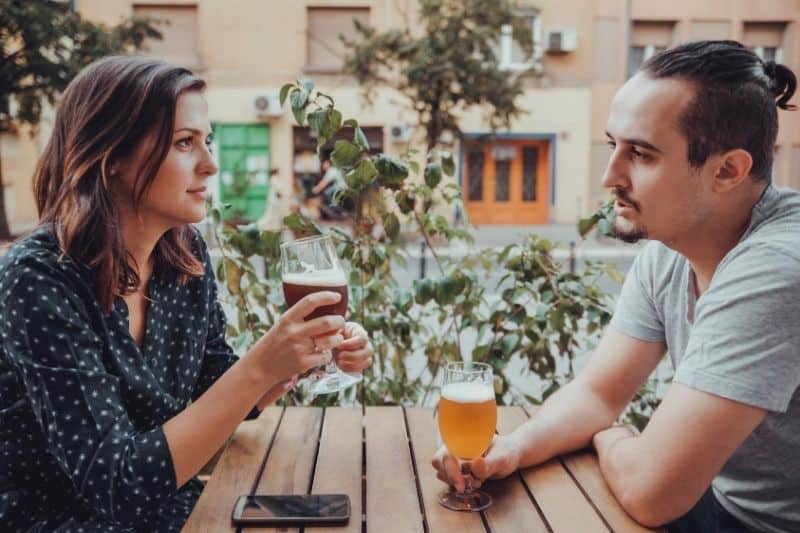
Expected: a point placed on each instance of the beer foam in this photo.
(321, 278)
(468, 392)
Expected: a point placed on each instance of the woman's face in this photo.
(177, 195)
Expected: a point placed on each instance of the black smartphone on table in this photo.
(285, 510)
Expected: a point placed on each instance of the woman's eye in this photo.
(612, 144)
(210, 144)
(186, 142)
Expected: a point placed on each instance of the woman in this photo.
(116, 383)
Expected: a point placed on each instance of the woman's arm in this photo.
(195, 434)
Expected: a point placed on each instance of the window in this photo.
(765, 39)
(475, 175)
(179, 33)
(325, 51)
(648, 38)
(510, 54)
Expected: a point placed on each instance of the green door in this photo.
(243, 169)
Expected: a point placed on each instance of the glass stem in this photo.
(330, 366)
(466, 471)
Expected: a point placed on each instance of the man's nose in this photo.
(616, 175)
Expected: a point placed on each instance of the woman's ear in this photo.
(734, 168)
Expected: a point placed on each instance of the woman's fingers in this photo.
(306, 305)
(322, 326)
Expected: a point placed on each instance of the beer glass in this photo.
(311, 265)
(467, 420)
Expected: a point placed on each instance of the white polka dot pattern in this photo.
(81, 405)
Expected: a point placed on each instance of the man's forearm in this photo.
(567, 421)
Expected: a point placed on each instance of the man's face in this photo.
(658, 194)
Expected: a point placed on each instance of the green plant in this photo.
(534, 311)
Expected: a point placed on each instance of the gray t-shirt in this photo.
(740, 340)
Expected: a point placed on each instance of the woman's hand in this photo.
(354, 354)
(292, 345)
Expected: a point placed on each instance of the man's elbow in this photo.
(649, 507)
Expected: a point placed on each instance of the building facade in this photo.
(546, 168)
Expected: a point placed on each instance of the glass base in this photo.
(334, 382)
(476, 500)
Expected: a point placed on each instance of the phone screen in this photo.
(307, 506)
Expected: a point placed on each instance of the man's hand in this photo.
(499, 461)
(354, 354)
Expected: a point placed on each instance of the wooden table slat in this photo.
(338, 469)
(307, 449)
(512, 509)
(392, 501)
(290, 464)
(563, 504)
(585, 468)
(234, 474)
(424, 431)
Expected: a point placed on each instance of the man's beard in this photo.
(631, 234)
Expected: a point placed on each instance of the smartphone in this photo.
(292, 510)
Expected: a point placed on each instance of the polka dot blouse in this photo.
(81, 405)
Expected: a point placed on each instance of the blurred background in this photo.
(544, 169)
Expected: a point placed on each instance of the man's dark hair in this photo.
(736, 99)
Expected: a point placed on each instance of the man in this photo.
(692, 137)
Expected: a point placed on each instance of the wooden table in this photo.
(381, 458)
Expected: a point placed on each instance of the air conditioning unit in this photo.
(400, 132)
(267, 105)
(560, 41)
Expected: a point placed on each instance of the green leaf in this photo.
(405, 201)
(334, 123)
(414, 166)
(299, 99)
(308, 85)
(510, 343)
(318, 123)
(297, 223)
(216, 216)
(393, 171)
(614, 274)
(345, 154)
(362, 175)
(351, 123)
(323, 95)
(433, 175)
(391, 225)
(448, 165)
(234, 276)
(285, 92)
(361, 140)
(585, 225)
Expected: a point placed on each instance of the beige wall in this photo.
(248, 47)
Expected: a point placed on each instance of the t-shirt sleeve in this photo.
(636, 313)
(48, 338)
(218, 356)
(744, 344)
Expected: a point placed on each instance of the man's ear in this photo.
(733, 168)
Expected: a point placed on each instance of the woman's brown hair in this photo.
(104, 115)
